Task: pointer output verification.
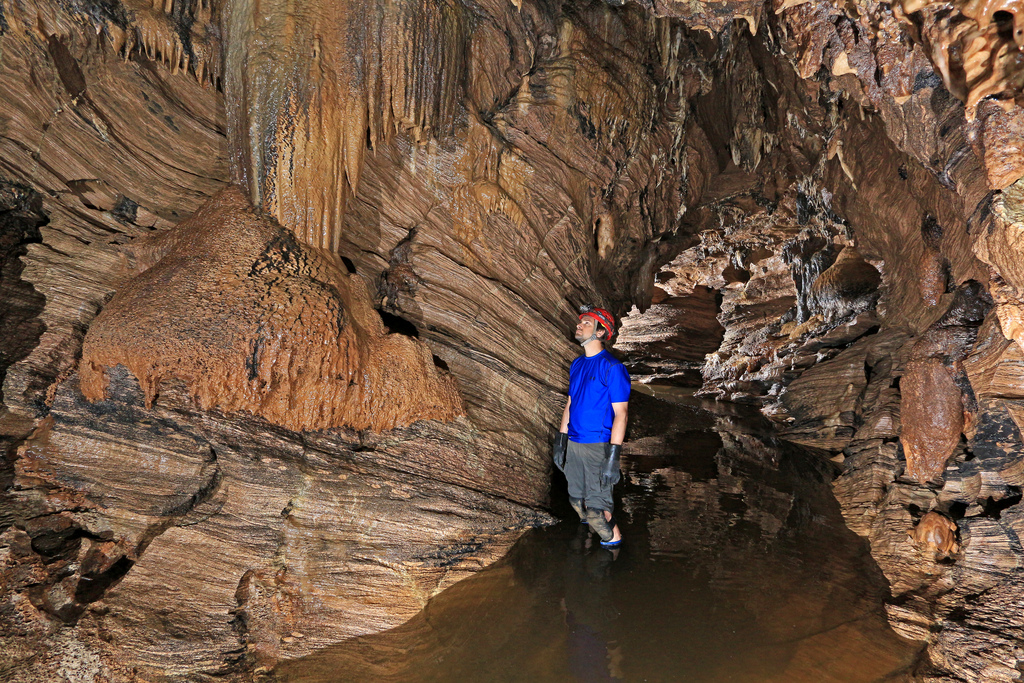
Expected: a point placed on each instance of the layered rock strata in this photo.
(906, 377)
(423, 263)
(198, 540)
(839, 185)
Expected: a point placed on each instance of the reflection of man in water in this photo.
(589, 611)
(589, 441)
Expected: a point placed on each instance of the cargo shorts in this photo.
(583, 463)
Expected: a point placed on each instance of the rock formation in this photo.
(287, 291)
(938, 533)
(323, 408)
(252, 321)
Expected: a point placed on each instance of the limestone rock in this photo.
(672, 336)
(843, 180)
(931, 412)
(848, 286)
(266, 534)
(251, 320)
(936, 532)
(824, 400)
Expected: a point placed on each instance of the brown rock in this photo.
(266, 532)
(673, 335)
(323, 89)
(936, 532)
(847, 286)
(525, 157)
(933, 277)
(251, 320)
(932, 414)
(995, 365)
(1001, 134)
(823, 401)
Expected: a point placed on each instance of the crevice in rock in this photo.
(993, 507)
(21, 217)
(398, 325)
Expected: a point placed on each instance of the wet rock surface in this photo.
(187, 536)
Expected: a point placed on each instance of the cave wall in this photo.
(865, 272)
(170, 509)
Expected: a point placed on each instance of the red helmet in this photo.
(600, 315)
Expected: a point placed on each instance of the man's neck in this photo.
(593, 348)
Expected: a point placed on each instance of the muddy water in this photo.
(736, 567)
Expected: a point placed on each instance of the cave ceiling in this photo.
(325, 257)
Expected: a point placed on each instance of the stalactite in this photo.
(310, 89)
(180, 38)
(977, 48)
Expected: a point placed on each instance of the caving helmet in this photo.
(602, 317)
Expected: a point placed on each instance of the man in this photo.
(589, 441)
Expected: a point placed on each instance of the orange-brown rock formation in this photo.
(252, 320)
(976, 46)
(309, 89)
(937, 533)
(932, 415)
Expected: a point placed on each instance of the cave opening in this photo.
(803, 216)
(396, 324)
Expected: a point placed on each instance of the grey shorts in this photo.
(583, 472)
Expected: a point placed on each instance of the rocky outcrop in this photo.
(905, 376)
(307, 96)
(252, 321)
(669, 341)
(185, 536)
(932, 415)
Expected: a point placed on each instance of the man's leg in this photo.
(598, 499)
(575, 476)
(599, 525)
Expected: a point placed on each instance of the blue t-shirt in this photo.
(595, 383)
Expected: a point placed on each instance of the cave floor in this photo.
(736, 567)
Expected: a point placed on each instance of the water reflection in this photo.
(736, 567)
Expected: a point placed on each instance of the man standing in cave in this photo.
(589, 440)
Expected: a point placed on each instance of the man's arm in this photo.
(618, 424)
(561, 443)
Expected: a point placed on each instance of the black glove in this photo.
(558, 449)
(610, 468)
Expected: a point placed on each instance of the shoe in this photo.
(583, 521)
(611, 544)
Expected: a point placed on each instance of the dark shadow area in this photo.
(397, 324)
(21, 216)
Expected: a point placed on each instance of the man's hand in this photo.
(558, 450)
(610, 469)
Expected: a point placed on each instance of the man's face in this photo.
(585, 328)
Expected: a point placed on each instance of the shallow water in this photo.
(736, 567)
